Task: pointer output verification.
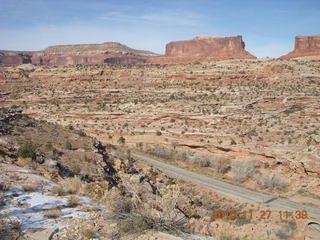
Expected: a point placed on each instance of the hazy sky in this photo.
(268, 27)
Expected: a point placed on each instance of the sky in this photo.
(268, 27)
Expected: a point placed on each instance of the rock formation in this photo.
(109, 52)
(14, 57)
(305, 46)
(201, 49)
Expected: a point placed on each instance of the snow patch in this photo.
(32, 216)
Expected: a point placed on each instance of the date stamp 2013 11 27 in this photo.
(258, 214)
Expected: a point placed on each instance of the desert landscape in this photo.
(103, 141)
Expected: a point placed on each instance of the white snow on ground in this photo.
(195, 237)
(33, 216)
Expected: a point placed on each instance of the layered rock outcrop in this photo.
(305, 46)
(109, 52)
(201, 49)
(14, 57)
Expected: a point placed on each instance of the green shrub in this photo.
(121, 140)
(27, 150)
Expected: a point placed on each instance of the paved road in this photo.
(234, 192)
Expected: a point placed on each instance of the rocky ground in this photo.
(249, 122)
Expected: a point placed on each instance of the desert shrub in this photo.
(202, 160)
(27, 150)
(273, 182)
(49, 146)
(183, 155)
(57, 190)
(121, 140)
(282, 234)
(243, 170)
(96, 190)
(118, 203)
(72, 185)
(135, 215)
(221, 163)
(161, 152)
(88, 233)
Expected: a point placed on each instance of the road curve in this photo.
(230, 190)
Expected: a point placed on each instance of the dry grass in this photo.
(72, 185)
(57, 190)
(32, 187)
(53, 213)
(73, 201)
(1, 200)
(88, 233)
(24, 162)
(98, 191)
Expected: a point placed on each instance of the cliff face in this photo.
(109, 53)
(204, 49)
(305, 46)
(14, 58)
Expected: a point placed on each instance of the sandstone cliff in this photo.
(108, 52)
(14, 57)
(202, 49)
(305, 46)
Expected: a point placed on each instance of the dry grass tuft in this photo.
(88, 233)
(96, 190)
(53, 213)
(57, 190)
(5, 186)
(72, 185)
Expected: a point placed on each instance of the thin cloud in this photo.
(164, 18)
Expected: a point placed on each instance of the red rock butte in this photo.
(305, 46)
(201, 49)
(109, 52)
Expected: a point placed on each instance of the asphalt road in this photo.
(232, 191)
